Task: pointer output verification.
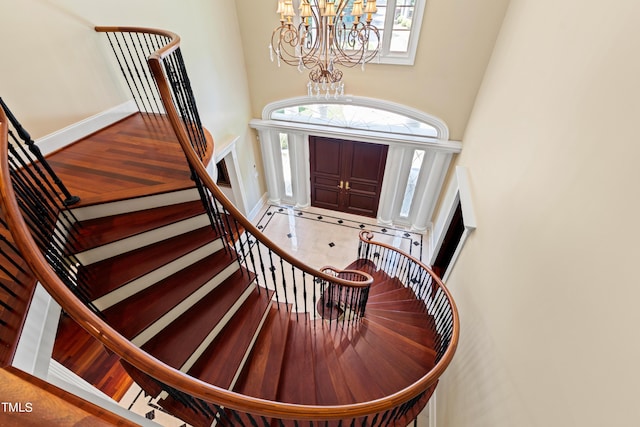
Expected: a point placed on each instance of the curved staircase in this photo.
(163, 278)
(209, 315)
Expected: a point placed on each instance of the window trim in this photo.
(401, 58)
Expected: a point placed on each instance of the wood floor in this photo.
(133, 157)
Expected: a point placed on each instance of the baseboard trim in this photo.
(258, 207)
(61, 138)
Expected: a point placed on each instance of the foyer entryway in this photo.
(346, 176)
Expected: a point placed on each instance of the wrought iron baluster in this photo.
(284, 283)
(295, 289)
(272, 268)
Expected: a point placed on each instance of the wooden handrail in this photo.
(156, 368)
(359, 284)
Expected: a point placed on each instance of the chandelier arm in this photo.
(367, 37)
(283, 40)
(309, 55)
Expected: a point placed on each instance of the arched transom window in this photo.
(358, 113)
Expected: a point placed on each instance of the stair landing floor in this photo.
(134, 157)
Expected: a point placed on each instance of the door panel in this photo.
(326, 158)
(346, 175)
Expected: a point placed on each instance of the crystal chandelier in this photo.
(325, 34)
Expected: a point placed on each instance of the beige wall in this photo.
(547, 286)
(455, 44)
(57, 71)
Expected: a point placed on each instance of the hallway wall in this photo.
(547, 285)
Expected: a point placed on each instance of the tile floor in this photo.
(321, 237)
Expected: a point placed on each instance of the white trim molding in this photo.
(72, 133)
(459, 191)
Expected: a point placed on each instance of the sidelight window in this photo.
(286, 164)
(412, 181)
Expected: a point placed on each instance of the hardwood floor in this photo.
(136, 156)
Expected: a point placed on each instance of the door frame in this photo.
(458, 193)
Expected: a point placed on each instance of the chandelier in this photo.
(322, 35)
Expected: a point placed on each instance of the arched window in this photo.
(358, 113)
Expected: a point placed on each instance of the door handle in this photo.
(341, 184)
(348, 188)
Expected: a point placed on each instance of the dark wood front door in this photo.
(346, 175)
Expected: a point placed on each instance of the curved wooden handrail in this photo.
(156, 368)
(359, 284)
(160, 53)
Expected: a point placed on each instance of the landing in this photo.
(134, 157)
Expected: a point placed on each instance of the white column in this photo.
(300, 169)
(272, 164)
(427, 200)
(391, 185)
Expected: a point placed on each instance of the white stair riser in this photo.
(137, 204)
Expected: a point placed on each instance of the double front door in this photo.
(346, 175)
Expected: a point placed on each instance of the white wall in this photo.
(57, 71)
(547, 286)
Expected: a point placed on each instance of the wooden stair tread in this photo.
(394, 295)
(331, 388)
(421, 335)
(392, 361)
(97, 232)
(114, 272)
(385, 286)
(358, 378)
(297, 378)
(261, 373)
(177, 342)
(219, 363)
(370, 267)
(398, 346)
(136, 313)
(410, 318)
(408, 305)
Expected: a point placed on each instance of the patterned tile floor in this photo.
(321, 237)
